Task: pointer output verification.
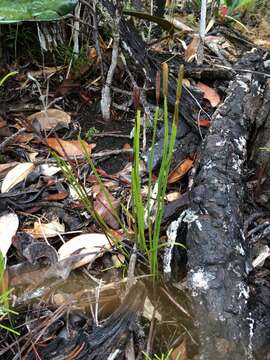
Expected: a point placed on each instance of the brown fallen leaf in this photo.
(203, 122)
(103, 208)
(209, 93)
(3, 123)
(50, 119)
(179, 353)
(71, 148)
(173, 196)
(48, 230)
(180, 170)
(191, 50)
(58, 196)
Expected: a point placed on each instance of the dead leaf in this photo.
(50, 119)
(24, 138)
(186, 82)
(9, 224)
(3, 123)
(209, 93)
(71, 148)
(16, 175)
(91, 53)
(68, 86)
(4, 168)
(92, 245)
(180, 170)
(149, 311)
(58, 196)
(173, 196)
(203, 123)
(191, 50)
(48, 230)
(104, 210)
(49, 170)
(179, 353)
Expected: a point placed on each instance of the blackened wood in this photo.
(217, 252)
(136, 53)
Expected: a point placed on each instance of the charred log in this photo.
(217, 250)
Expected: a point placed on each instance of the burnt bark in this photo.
(135, 50)
(218, 255)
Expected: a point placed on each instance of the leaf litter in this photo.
(68, 261)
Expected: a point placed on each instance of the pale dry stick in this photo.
(200, 51)
(76, 31)
(10, 139)
(151, 333)
(97, 296)
(176, 303)
(106, 91)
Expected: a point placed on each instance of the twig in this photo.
(106, 91)
(10, 138)
(200, 51)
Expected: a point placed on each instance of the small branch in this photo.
(10, 138)
(106, 91)
(202, 31)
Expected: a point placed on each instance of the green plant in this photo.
(90, 133)
(4, 299)
(7, 76)
(151, 246)
(162, 356)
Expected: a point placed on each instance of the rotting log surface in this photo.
(217, 252)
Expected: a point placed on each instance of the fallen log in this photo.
(218, 257)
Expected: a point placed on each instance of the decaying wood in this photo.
(217, 250)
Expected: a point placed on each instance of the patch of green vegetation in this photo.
(90, 133)
(164, 356)
(5, 311)
(147, 235)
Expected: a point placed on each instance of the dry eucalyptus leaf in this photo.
(50, 119)
(180, 170)
(16, 175)
(48, 230)
(92, 245)
(71, 148)
(103, 207)
(4, 168)
(192, 49)
(173, 196)
(9, 224)
(209, 93)
(49, 170)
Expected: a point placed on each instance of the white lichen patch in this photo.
(237, 164)
(239, 248)
(243, 291)
(171, 238)
(200, 279)
(221, 143)
(208, 165)
(190, 216)
(241, 143)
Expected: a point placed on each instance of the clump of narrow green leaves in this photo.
(148, 242)
(151, 246)
(4, 299)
